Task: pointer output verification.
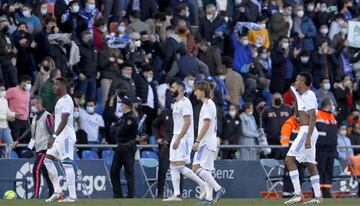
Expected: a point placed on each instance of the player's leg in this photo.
(290, 162)
(47, 178)
(53, 175)
(315, 183)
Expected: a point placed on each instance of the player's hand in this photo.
(307, 143)
(51, 142)
(196, 146)
(176, 144)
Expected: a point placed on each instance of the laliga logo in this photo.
(87, 184)
(25, 172)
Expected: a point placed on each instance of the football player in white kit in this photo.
(182, 141)
(303, 148)
(61, 143)
(206, 143)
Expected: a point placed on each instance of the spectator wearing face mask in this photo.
(325, 92)
(46, 66)
(90, 14)
(344, 95)
(249, 131)
(135, 54)
(183, 13)
(125, 79)
(262, 63)
(323, 34)
(345, 9)
(234, 82)
(33, 22)
(279, 55)
(303, 62)
(231, 131)
(71, 21)
(210, 23)
(272, 118)
(187, 37)
(146, 91)
(260, 37)
(326, 145)
(43, 13)
(99, 31)
(189, 82)
(19, 98)
(323, 15)
(91, 122)
(88, 71)
(343, 141)
(242, 52)
(303, 30)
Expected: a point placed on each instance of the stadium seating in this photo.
(14, 155)
(107, 156)
(89, 155)
(149, 154)
(150, 163)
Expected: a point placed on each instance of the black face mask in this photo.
(175, 94)
(277, 102)
(121, 93)
(46, 68)
(182, 31)
(5, 29)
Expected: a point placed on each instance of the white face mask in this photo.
(27, 87)
(3, 94)
(137, 43)
(191, 83)
(285, 45)
(333, 108)
(263, 25)
(209, 17)
(245, 42)
(311, 7)
(43, 11)
(222, 77)
(327, 86)
(187, 14)
(343, 132)
(300, 13)
(103, 29)
(232, 113)
(26, 13)
(324, 31)
(226, 19)
(33, 109)
(121, 29)
(76, 115)
(304, 59)
(255, 54)
(250, 113)
(149, 79)
(90, 109)
(90, 7)
(264, 55)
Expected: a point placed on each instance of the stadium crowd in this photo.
(249, 51)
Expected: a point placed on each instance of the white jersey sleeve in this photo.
(309, 100)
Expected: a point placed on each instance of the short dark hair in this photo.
(126, 64)
(91, 100)
(325, 102)
(50, 19)
(62, 81)
(170, 28)
(247, 105)
(203, 86)
(100, 21)
(308, 78)
(324, 78)
(178, 82)
(24, 78)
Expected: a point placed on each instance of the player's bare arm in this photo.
(202, 133)
(312, 120)
(62, 125)
(186, 126)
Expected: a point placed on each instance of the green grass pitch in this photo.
(147, 202)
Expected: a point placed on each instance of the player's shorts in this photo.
(62, 148)
(205, 158)
(182, 153)
(298, 150)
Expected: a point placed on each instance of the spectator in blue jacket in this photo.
(242, 53)
(304, 30)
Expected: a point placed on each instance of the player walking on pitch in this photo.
(303, 149)
(182, 141)
(61, 144)
(206, 143)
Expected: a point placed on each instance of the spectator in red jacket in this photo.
(99, 31)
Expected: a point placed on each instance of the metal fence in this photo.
(8, 148)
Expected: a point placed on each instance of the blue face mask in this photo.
(121, 29)
(90, 7)
(76, 9)
(90, 109)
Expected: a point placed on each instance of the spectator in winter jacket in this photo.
(109, 61)
(136, 24)
(33, 22)
(304, 30)
(125, 80)
(279, 54)
(231, 131)
(183, 31)
(172, 44)
(325, 92)
(344, 95)
(242, 52)
(210, 23)
(99, 32)
(71, 21)
(88, 66)
(234, 82)
(90, 14)
(280, 24)
(249, 132)
(344, 141)
(211, 56)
